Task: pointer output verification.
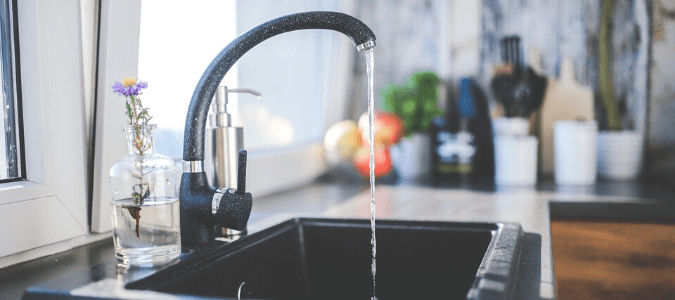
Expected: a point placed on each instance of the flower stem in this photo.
(131, 88)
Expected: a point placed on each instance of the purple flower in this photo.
(129, 87)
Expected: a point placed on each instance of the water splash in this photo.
(370, 65)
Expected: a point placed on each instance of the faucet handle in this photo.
(230, 202)
(241, 172)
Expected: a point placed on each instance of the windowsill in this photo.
(28, 255)
(22, 190)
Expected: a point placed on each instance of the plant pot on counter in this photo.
(411, 156)
(619, 154)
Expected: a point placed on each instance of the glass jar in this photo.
(144, 192)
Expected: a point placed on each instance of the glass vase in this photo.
(144, 198)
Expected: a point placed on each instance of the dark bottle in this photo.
(462, 139)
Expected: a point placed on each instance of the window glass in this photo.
(177, 43)
(10, 154)
(295, 72)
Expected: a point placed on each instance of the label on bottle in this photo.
(455, 152)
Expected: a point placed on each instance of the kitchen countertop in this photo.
(336, 196)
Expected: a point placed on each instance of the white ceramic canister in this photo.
(510, 126)
(515, 160)
(575, 152)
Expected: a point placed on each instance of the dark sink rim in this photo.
(495, 277)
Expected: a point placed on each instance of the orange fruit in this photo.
(383, 163)
(389, 128)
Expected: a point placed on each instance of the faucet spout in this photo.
(196, 195)
(195, 124)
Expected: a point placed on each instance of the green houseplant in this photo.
(416, 102)
(606, 85)
(619, 151)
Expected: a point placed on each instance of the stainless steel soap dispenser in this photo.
(225, 142)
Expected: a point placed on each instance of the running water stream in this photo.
(370, 64)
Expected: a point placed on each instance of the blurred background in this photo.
(311, 80)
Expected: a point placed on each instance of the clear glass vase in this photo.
(144, 192)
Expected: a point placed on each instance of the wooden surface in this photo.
(565, 99)
(613, 260)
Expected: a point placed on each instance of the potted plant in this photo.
(619, 151)
(416, 102)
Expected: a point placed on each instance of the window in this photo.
(11, 166)
(295, 72)
(46, 211)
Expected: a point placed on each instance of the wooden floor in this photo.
(613, 260)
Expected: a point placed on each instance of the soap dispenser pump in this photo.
(226, 140)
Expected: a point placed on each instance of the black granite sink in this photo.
(330, 259)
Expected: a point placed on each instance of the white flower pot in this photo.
(411, 157)
(619, 154)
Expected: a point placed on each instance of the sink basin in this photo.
(330, 259)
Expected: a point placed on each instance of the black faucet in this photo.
(201, 206)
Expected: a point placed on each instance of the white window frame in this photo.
(47, 212)
(117, 58)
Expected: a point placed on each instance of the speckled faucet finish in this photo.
(196, 195)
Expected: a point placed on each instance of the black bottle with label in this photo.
(443, 131)
(462, 139)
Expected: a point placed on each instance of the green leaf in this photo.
(416, 102)
(408, 106)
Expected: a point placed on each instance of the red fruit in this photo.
(382, 161)
(389, 128)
